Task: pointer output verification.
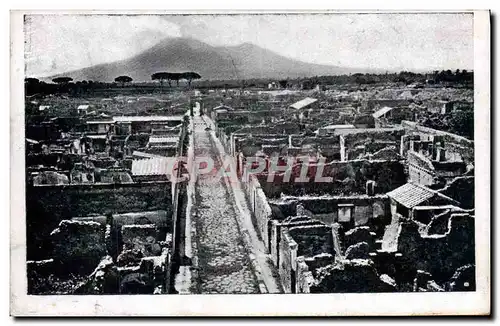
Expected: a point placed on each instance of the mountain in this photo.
(244, 61)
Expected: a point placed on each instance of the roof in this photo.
(43, 107)
(303, 103)
(145, 155)
(382, 111)
(147, 118)
(152, 166)
(95, 122)
(411, 195)
(83, 107)
(225, 108)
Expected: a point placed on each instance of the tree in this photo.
(62, 80)
(162, 76)
(123, 80)
(190, 76)
(31, 80)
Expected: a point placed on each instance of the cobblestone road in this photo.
(224, 266)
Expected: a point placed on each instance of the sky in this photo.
(393, 42)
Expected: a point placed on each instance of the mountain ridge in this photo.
(243, 61)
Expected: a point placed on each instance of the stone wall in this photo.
(351, 276)
(372, 140)
(259, 207)
(462, 190)
(143, 238)
(275, 236)
(312, 240)
(452, 142)
(304, 277)
(158, 218)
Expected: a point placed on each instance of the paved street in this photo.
(223, 261)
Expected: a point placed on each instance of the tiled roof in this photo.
(303, 103)
(411, 195)
(152, 166)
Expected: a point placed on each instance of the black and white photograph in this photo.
(218, 156)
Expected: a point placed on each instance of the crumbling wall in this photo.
(148, 276)
(439, 255)
(307, 268)
(312, 240)
(287, 264)
(366, 209)
(357, 235)
(351, 276)
(462, 190)
(275, 235)
(348, 178)
(304, 277)
(143, 238)
(453, 143)
(259, 207)
(263, 214)
(464, 279)
(373, 136)
(158, 218)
